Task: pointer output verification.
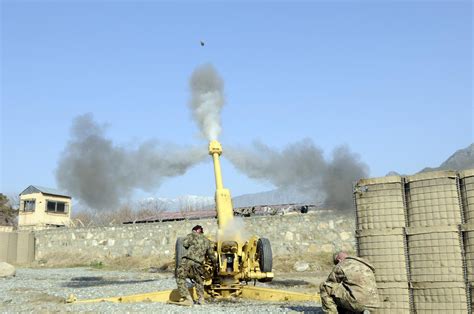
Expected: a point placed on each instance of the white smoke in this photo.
(235, 230)
(207, 99)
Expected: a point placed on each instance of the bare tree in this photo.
(128, 212)
(8, 214)
(14, 200)
(151, 208)
(82, 218)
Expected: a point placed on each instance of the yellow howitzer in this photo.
(239, 260)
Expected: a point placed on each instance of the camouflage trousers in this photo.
(192, 270)
(336, 299)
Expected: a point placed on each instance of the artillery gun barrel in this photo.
(225, 212)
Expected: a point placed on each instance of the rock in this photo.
(328, 248)
(289, 236)
(301, 266)
(313, 248)
(345, 235)
(6, 270)
(323, 226)
(153, 270)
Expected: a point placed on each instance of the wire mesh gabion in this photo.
(418, 232)
(440, 297)
(472, 296)
(469, 251)
(394, 297)
(385, 249)
(433, 199)
(380, 203)
(467, 193)
(435, 254)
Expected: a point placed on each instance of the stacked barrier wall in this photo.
(394, 297)
(433, 199)
(385, 249)
(380, 203)
(467, 196)
(440, 297)
(435, 254)
(380, 238)
(467, 192)
(434, 214)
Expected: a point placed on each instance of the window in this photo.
(56, 207)
(29, 205)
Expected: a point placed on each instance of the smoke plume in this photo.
(101, 174)
(207, 99)
(302, 166)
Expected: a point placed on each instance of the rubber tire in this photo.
(179, 251)
(264, 252)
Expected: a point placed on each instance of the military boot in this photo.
(201, 301)
(184, 301)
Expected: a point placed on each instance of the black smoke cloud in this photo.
(102, 174)
(302, 165)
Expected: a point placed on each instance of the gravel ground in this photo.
(44, 290)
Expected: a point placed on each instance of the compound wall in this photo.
(290, 234)
(418, 232)
(17, 247)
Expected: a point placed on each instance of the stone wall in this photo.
(296, 233)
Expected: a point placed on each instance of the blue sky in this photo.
(393, 80)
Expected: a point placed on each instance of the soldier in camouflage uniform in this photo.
(192, 264)
(350, 287)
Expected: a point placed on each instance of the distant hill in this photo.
(273, 197)
(461, 160)
(181, 202)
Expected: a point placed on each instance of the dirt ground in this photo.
(45, 290)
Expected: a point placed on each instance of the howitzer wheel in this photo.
(265, 259)
(180, 251)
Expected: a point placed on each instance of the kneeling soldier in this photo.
(350, 286)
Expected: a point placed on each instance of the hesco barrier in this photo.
(433, 199)
(435, 254)
(17, 247)
(467, 196)
(380, 203)
(385, 249)
(440, 297)
(467, 192)
(472, 296)
(8, 244)
(468, 231)
(394, 297)
(425, 221)
(380, 238)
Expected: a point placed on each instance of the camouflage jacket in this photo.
(198, 246)
(357, 276)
